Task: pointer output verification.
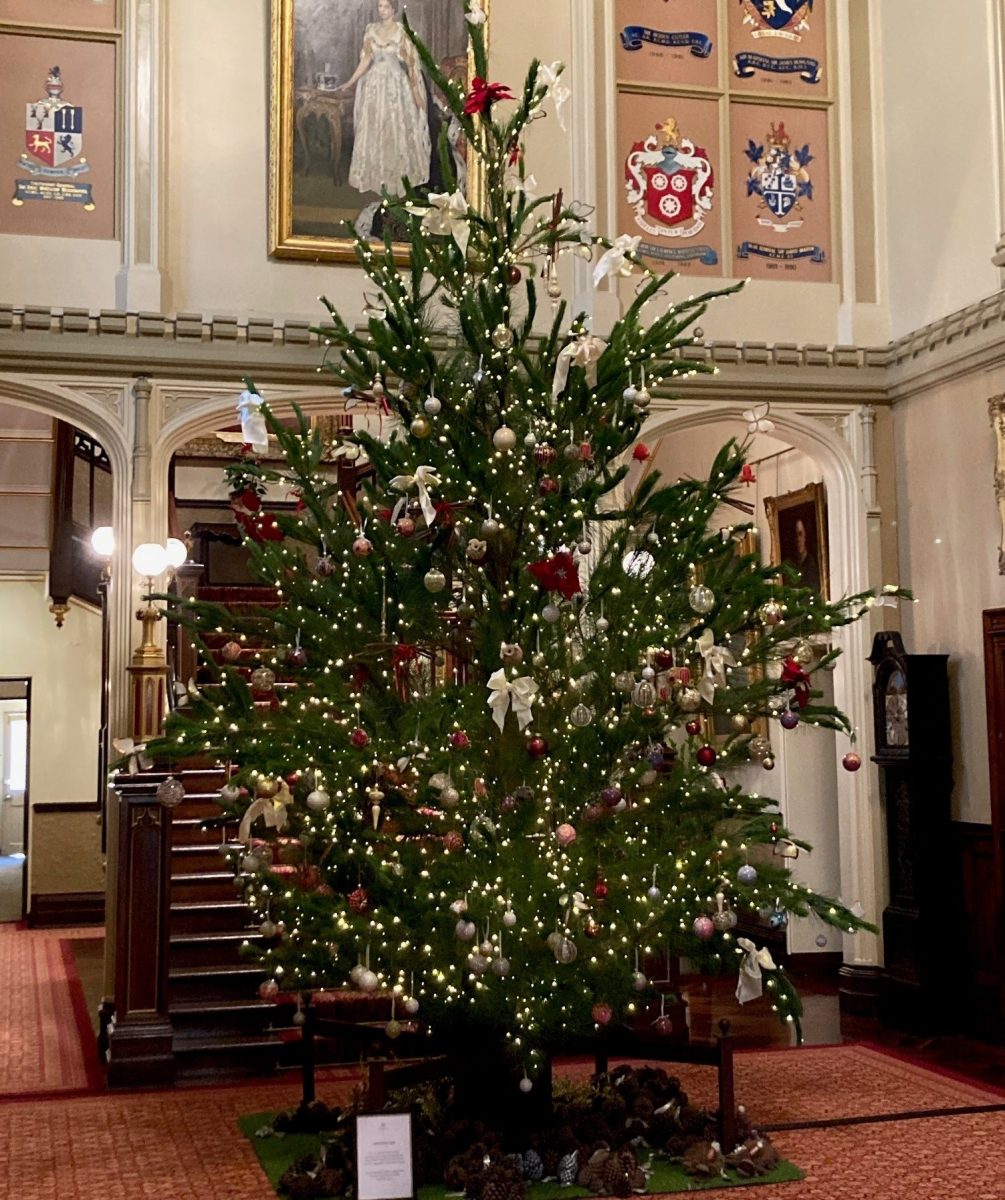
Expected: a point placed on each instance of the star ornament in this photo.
(558, 574)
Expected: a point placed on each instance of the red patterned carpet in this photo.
(46, 1044)
(185, 1145)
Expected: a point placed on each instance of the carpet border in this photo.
(93, 1070)
(914, 1060)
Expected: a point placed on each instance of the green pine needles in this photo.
(484, 766)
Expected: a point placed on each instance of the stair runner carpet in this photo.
(46, 1039)
(185, 1144)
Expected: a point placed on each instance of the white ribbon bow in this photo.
(550, 78)
(749, 985)
(271, 808)
(585, 352)
(447, 214)
(253, 427)
(717, 659)
(423, 479)
(475, 14)
(615, 261)
(519, 692)
(138, 761)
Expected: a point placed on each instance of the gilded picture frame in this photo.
(798, 524)
(330, 112)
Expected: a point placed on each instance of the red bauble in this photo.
(405, 527)
(706, 755)
(641, 452)
(537, 747)
(359, 900)
(602, 1013)
(663, 660)
(693, 727)
(513, 276)
(591, 928)
(611, 795)
(359, 738)
(788, 719)
(548, 486)
(851, 761)
(594, 812)
(544, 454)
(293, 778)
(460, 740)
(231, 652)
(663, 1026)
(600, 890)
(453, 841)
(297, 656)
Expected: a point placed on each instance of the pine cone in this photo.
(704, 1160)
(501, 1181)
(533, 1167)
(568, 1168)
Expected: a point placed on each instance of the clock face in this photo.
(895, 709)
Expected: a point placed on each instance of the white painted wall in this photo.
(949, 532)
(939, 160)
(64, 666)
(804, 783)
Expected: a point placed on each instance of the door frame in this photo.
(25, 681)
(993, 621)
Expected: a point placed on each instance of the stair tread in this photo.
(195, 1007)
(202, 877)
(193, 1043)
(220, 936)
(194, 906)
(211, 970)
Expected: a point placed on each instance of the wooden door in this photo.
(994, 676)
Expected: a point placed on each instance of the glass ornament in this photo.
(171, 792)
(689, 699)
(420, 427)
(432, 405)
(263, 679)
(318, 800)
(502, 337)
(324, 567)
(758, 748)
(504, 438)
(701, 598)
(581, 716)
(434, 580)
(624, 681)
(230, 793)
(566, 951)
(771, 612)
(644, 694)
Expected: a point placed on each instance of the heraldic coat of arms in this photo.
(778, 15)
(669, 182)
(780, 176)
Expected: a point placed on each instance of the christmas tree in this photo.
(479, 722)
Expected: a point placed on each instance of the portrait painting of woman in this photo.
(354, 113)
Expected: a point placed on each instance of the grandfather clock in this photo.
(914, 756)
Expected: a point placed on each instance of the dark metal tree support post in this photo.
(140, 1043)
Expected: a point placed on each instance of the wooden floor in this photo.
(755, 1026)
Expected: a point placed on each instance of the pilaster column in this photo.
(139, 284)
(996, 48)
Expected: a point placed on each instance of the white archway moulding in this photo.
(102, 410)
(836, 438)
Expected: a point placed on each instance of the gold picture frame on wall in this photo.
(351, 111)
(798, 523)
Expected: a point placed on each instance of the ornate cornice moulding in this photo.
(205, 347)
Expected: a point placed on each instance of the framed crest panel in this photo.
(352, 112)
(778, 46)
(659, 43)
(75, 14)
(58, 135)
(669, 154)
(781, 194)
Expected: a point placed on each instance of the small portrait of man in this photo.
(798, 531)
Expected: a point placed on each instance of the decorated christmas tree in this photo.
(482, 757)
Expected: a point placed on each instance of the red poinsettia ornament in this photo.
(484, 94)
(796, 678)
(558, 574)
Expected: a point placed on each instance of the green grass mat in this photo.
(277, 1153)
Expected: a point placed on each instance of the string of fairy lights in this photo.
(516, 877)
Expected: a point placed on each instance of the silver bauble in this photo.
(551, 613)
(701, 598)
(689, 699)
(367, 980)
(581, 715)
(318, 800)
(504, 438)
(432, 405)
(434, 580)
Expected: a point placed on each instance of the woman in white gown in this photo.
(391, 126)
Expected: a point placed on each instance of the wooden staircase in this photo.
(221, 1026)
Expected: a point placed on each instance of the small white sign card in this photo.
(384, 1157)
